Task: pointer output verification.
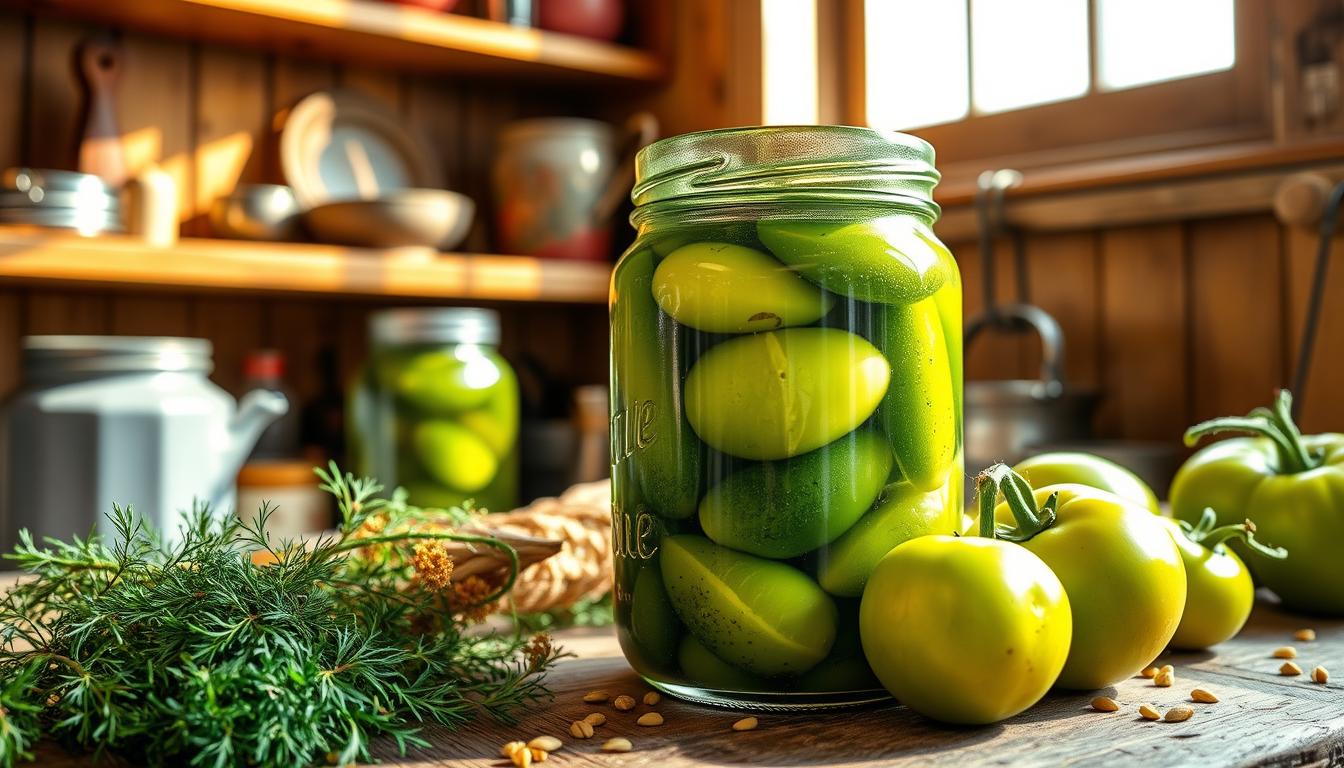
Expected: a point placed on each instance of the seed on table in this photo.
(1179, 714)
(1319, 675)
(595, 697)
(1285, 652)
(1164, 678)
(539, 755)
(1149, 672)
(1289, 669)
(1167, 668)
(746, 724)
(650, 718)
(1105, 704)
(624, 703)
(548, 743)
(522, 758)
(1148, 713)
(652, 697)
(513, 746)
(595, 719)
(1305, 635)
(581, 729)
(1204, 696)
(617, 745)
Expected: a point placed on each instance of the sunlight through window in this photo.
(1026, 52)
(789, 53)
(1148, 41)
(915, 79)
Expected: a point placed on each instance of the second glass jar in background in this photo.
(786, 405)
(435, 409)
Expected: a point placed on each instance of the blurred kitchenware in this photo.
(289, 490)
(592, 414)
(519, 13)
(62, 199)
(598, 19)
(257, 212)
(442, 6)
(133, 421)
(339, 145)
(558, 181)
(99, 64)
(408, 217)
(151, 207)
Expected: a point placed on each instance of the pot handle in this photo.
(640, 131)
(1045, 326)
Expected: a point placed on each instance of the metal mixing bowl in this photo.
(257, 212)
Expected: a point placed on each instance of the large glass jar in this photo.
(435, 409)
(786, 405)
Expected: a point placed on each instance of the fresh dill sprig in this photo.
(227, 648)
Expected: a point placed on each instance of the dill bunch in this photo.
(194, 654)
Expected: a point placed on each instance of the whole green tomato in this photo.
(1117, 561)
(1219, 593)
(965, 630)
(1087, 469)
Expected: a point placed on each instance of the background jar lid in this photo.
(437, 325)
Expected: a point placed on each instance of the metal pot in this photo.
(1006, 419)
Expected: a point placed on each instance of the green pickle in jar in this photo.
(786, 405)
(435, 409)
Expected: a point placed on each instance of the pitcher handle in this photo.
(640, 131)
(1052, 339)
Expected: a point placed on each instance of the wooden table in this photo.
(1263, 719)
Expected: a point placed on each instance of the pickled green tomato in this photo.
(844, 668)
(700, 666)
(653, 624)
(725, 288)
(454, 456)
(762, 616)
(783, 393)
(948, 299)
(903, 512)
(887, 260)
(443, 382)
(782, 509)
(738, 233)
(496, 420)
(648, 427)
(918, 412)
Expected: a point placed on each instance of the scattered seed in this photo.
(650, 718)
(513, 746)
(1164, 678)
(1304, 635)
(652, 697)
(624, 703)
(595, 719)
(1179, 714)
(1203, 696)
(522, 758)
(1148, 713)
(1149, 672)
(1167, 668)
(581, 729)
(1289, 669)
(595, 697)
(539, 755)
(1319, 675)
(617, 745)
(746, 724)
(1105, 704)
(1285, 652)
(548, 743)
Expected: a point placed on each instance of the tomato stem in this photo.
(1276, 424)
(1209, 535)
(1017, 494)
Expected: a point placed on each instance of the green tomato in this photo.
(1219, 593)
(1086, 469)
(903, 512)
(653, 625)
(885, 260)
(783, 509)
(454, 456)
(965, 630)
(445, 382)
(844, 668)
(725, 288)
(948, 299)
(702, 667)
(1124, 577)
(783, 393)
(919, 411)
(763, 616)
(665, 241)
(496, 421)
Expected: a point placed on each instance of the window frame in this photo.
(1233, 105)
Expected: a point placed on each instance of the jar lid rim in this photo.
(95, 354)
(435, 325)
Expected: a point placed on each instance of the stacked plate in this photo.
(61, 199)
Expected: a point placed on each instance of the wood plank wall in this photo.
(206, 114)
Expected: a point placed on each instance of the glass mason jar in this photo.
(435, 409)
(786, 405)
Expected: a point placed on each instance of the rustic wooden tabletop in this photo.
(1262, 719)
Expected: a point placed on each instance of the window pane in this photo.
(915, 79)
(1147, 41)
(789, 53)
(1026, 52)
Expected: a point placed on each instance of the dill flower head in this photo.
(538, 650)
(466, 596)
(433, 565)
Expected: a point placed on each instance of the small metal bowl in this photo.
(407, 217)
(257, 212)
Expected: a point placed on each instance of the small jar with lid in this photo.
(435, 409)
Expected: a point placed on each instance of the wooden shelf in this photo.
(375, 32)
(46, 256)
